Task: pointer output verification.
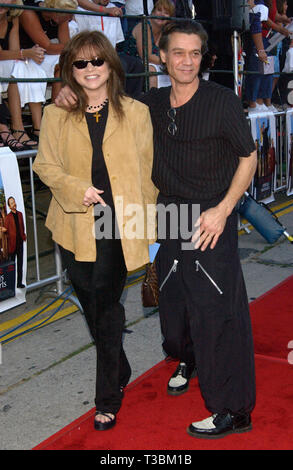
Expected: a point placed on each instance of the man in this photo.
(14, 226)
(204, 156)
(111, 27)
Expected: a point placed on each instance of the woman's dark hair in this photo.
(185, 27)
(102, 48)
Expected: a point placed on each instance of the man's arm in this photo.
(211, 223)
(95, 6)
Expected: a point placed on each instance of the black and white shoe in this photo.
(220, 425)
(179, 381)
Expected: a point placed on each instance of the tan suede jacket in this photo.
(64, 162)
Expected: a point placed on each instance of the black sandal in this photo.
(29, 143)
(34, 135)
(108, 424)
(11, 142)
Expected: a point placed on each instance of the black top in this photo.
(199, 161)
(4, 42)
(17, 228)
(100, 177)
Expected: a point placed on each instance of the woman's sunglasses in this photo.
(82, 64)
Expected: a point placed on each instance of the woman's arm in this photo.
(68, 190)
(63, 33)
(137, 34)
(13, 52)
(32, 26)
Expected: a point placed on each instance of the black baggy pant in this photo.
(206, 298)
(99, 286)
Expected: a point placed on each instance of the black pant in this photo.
(99, 287)
(218, 323)
(18, 254)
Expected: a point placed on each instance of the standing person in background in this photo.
(282, 7)
(85, 156)
(257, 85)
(275, 23)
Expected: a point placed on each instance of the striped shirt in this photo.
(199, 161)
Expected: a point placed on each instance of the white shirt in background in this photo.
(135, 7)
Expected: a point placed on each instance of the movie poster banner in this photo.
(289, 133)
(263, 129)
(13, 247)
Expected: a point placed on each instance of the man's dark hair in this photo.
(186, 27)
(10, 197)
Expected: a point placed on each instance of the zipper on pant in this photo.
(198, 265)
(173, 269)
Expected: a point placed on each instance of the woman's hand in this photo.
(114, 11)
(92, 196)
(36, 53)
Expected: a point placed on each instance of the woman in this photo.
(134, 42)
(92, 158)
(50, 30)
(17, 62)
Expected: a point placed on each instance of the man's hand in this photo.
(209, 227)
(263, 56)
(211, 223)
(92, 196)
(65, 98)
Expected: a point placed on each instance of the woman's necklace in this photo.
(97, 108)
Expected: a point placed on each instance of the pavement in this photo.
(47, 376)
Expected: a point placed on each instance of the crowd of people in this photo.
(31, 42)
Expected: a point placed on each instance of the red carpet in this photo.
(152, 420)
(272, 320)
